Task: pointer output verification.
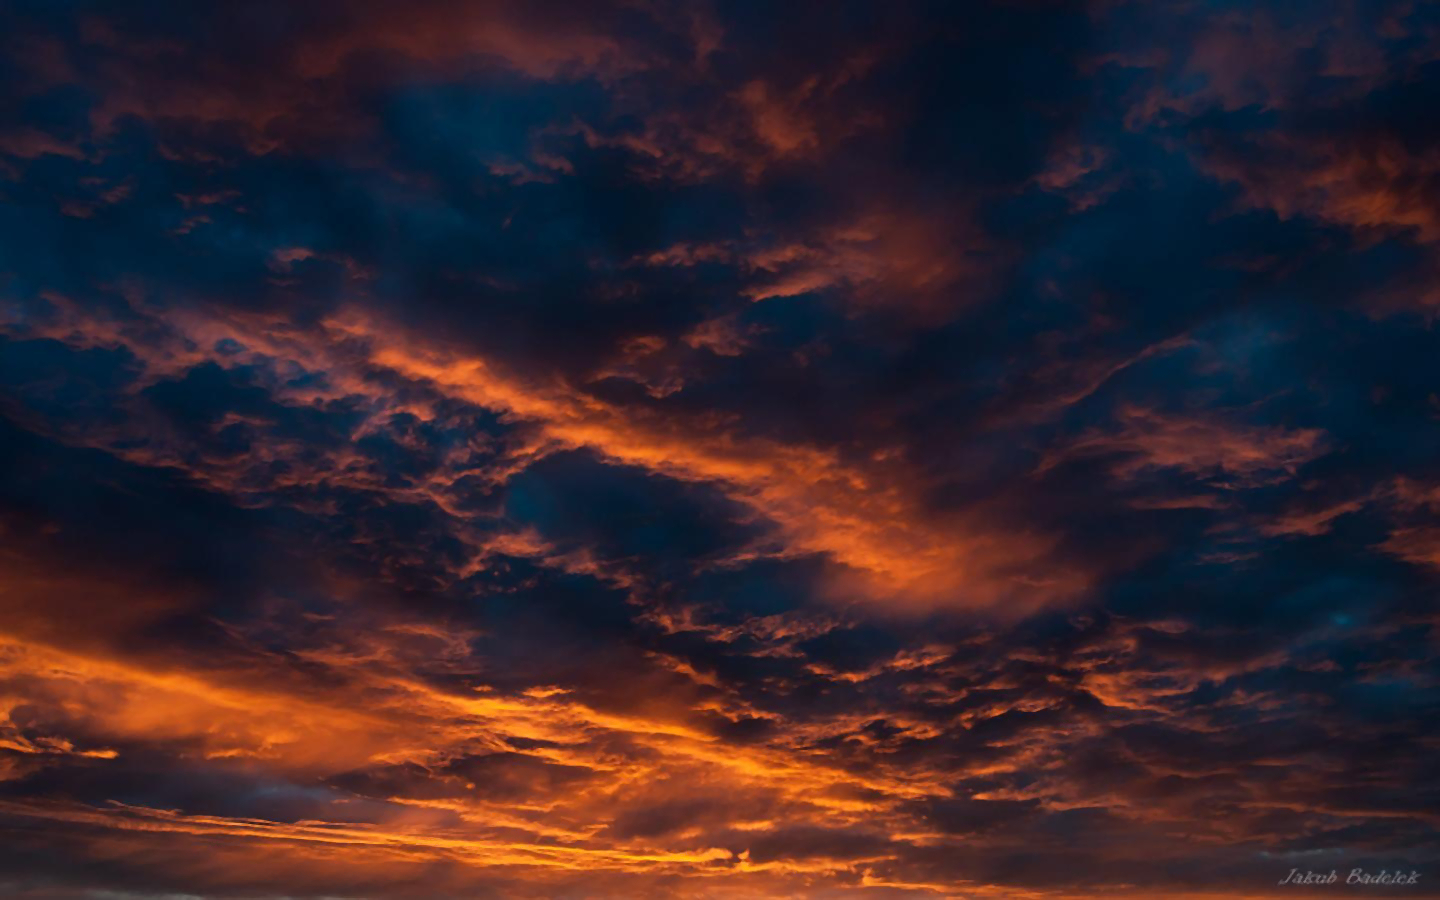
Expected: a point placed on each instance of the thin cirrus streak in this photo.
(694, 450)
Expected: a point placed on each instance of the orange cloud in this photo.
(869, 520)
(1203, 444)
(866, 516)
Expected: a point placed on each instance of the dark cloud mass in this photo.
(735, 450)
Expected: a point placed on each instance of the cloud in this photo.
(653, 450)
(1208, 446)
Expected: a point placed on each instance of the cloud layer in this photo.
(676, 450)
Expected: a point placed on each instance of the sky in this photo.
(845, 450)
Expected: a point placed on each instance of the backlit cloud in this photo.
(650, 450)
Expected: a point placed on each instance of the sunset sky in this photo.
(643, 450)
